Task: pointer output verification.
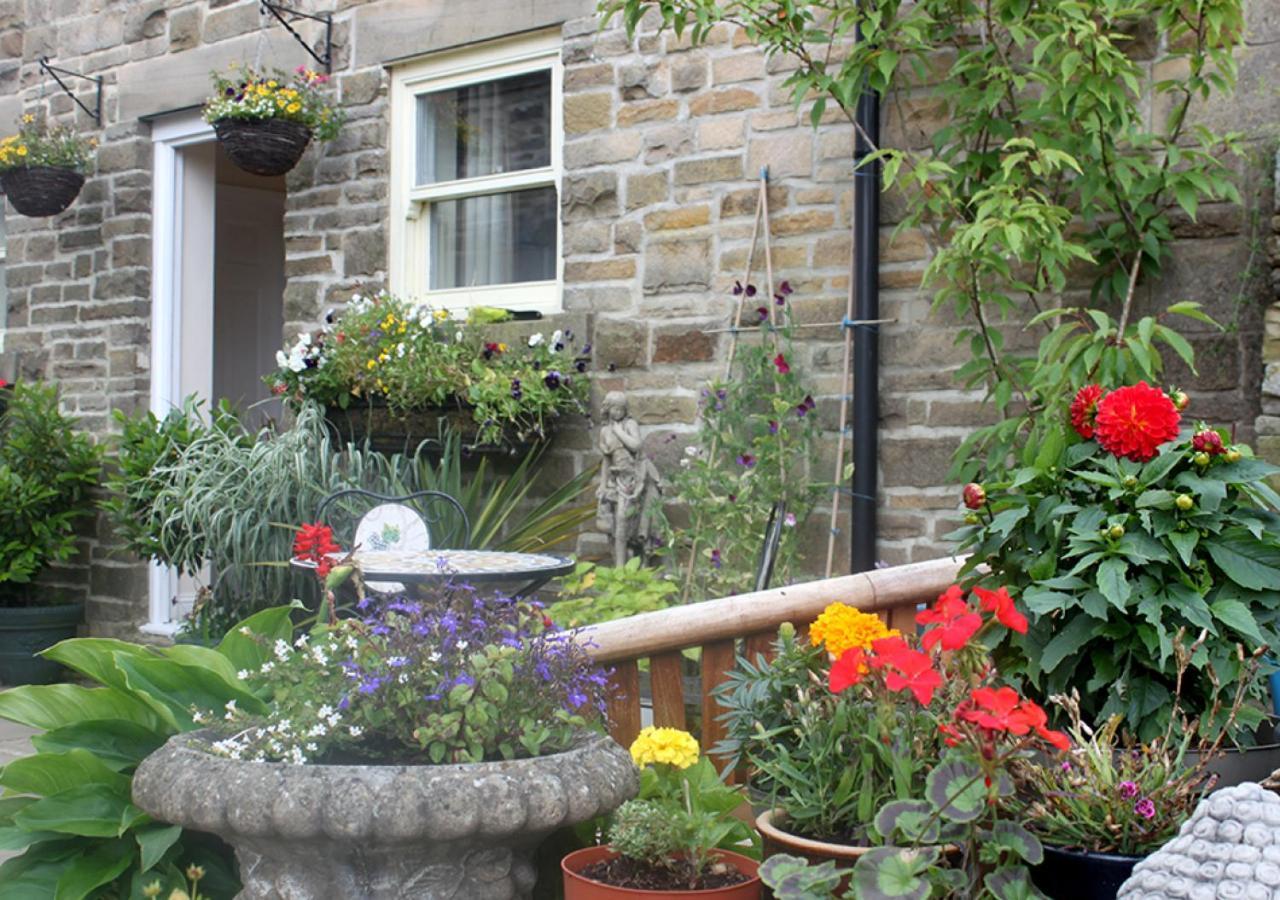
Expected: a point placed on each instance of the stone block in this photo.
(144, 20)
(588, 112)
(702, 171)
(807, 222)
(663, 409)
(627, 237)
(738, 67)
(229, 22)
(647, 189)
(688, 75)
(721, 133)
(301, 300)
(359, 88)
(785, 154)
(675, 219)
(916, 461)
(744, 202)
(667, 142)
(636, 112)
(671, 265)
(587, 76)
(620, 344)
(134, 251)
(615, 269)
(596, 298)
(621, 146)
(728, 100)
(586, 237)
(363, 252)
(683, 344)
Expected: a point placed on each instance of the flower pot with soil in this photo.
(600, 873)
(42, 168)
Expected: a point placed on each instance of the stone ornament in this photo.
(629, 483)
(383, 832)
(1228, 850)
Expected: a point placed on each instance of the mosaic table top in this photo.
(461, 565)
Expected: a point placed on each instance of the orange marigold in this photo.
(841, 628)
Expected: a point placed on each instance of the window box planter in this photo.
(380, 832)
(27, 630)
(41, 190)
(263, 146)
(401, 431)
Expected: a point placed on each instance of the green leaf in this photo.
(1012, 883)
(154, 842)
(46, 774)
(1006, 520)
(1067, 642)
(1185, 543)
(1112, 582)
(957, 790)
(893, 873)
(48, 706)
(1247, 561)
(85, 873)
(90, 810)
(1015, 838)
(1236, 616)
(913, 819)
(94, 658)
(270, 625)
(117, 743)
(176, 690)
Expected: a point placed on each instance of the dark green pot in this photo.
(25, 631)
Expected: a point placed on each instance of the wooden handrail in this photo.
(716, 626)
(740, 615)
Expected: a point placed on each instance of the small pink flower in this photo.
(1128, 790)
(781, 362)
(1145, 808)
(789, 520)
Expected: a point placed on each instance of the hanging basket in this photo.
(263, 146)
(41, 190)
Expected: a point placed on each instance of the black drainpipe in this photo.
(866, 338)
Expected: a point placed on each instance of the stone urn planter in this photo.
(337, 832)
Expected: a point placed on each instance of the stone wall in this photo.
(663, 149)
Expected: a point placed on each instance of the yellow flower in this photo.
(28, 118)
(272, 84)
(194, 872)
(151, 890)
(665, 745)
(502, 348)
(841, 627)
(441, 315)
(280, 101)
(22, 149)
(293, 107)
(371, 365)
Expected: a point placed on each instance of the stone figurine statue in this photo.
(629, 483)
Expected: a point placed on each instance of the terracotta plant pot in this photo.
(776, 840)
(578, 888)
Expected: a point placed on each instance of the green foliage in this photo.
(595, 593)
(47, 469)
(752, 451)
(190, 493)
(67, 807)
(795, 878)
(1050, 160)
(692, 811)
(36, 144)
(1116, 574)
(411, 357)
(1111, 795)
(252, 96)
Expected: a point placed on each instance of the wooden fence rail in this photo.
(743, 622)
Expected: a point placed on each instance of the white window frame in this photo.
(410, 205)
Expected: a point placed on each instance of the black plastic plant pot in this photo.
(41, 190)
(25, 631)
(263, 146)
(1080, 875)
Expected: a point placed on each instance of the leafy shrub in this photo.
(47, 470)
(595, 593)
(68, 807)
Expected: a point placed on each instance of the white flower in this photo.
(297, 362)
(404, 678)
(462, 645)
(457, 336)
(282, 650)
(281, 359)
(304, 339)
(557, 337)
(302, 641)
(355, 731)
(325, 711)
(433, 656)
(691, 450)
(243, 674)
(199, 717)
(231, 706)
(400, 350)
(266, 667)
(535, 339)
(319, 656)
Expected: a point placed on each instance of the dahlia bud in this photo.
(1131, 482)
(1115, 532)
(1207, 441)
(974, 496)
(1184, 502)
(1180, 400)
(1201, 459)
(971, 519)
(1232, 455)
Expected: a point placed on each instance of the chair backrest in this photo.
(421, 520)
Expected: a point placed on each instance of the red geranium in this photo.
(1133, 421)
(314, 541)
(848, 670)
(906, 669)
(1000, 603)
(955, 622)
(1084, 407)
(1001, 709)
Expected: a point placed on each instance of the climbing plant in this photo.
(1067, 150)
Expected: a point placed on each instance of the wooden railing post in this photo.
(624, 702)
(667, 679)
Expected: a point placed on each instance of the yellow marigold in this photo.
(841, 627)
(665, 745)
(293, 107)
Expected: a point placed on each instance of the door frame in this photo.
(168, 213)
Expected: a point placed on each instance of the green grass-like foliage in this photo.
(68, 807)
(47, 470)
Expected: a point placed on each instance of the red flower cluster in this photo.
(1207, 441)
(1001, 710)
(314, 542)
(956, 622)
(1083, 409)
(1133, 421)
(1001, 604)
(906, 669)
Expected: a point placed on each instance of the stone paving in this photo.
(15, 741)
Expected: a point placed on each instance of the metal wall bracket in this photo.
(57, 74)
(279, 12)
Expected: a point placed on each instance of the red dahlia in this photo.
(1133, 421)
(1083, 409)
(1207, 441)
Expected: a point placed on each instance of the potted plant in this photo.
(1121, 529)
(672, 840)
(42, 168)
(265, 120)
(424, 749)
(47, 470)
(389, 370)
(1107, 804)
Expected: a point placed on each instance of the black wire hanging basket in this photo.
(41, 190)
(263, 146)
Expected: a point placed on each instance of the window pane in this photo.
(494, 239)
(485, 129)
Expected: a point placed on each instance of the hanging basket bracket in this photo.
(280, 11)
(57, 74)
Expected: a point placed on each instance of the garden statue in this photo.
(1230, 847)
(629, 483)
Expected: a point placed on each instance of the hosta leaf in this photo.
(90, 810)
(243, 651)
(46, 774)
(154, 842)
(176, 690)
(85, 873)
(47, 706)
(116, 743)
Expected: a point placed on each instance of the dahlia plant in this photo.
(255, 96)
(1127, 532)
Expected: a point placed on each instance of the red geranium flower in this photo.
(955, 622)
(781, 362)
(1084, 407)
(907, 669)
(313, 541)
(1000, 603)
(848, 670)
(1001, 709)
(1133, 421)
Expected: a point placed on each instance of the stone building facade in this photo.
(662, 150)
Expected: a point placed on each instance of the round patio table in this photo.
(427, 568)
